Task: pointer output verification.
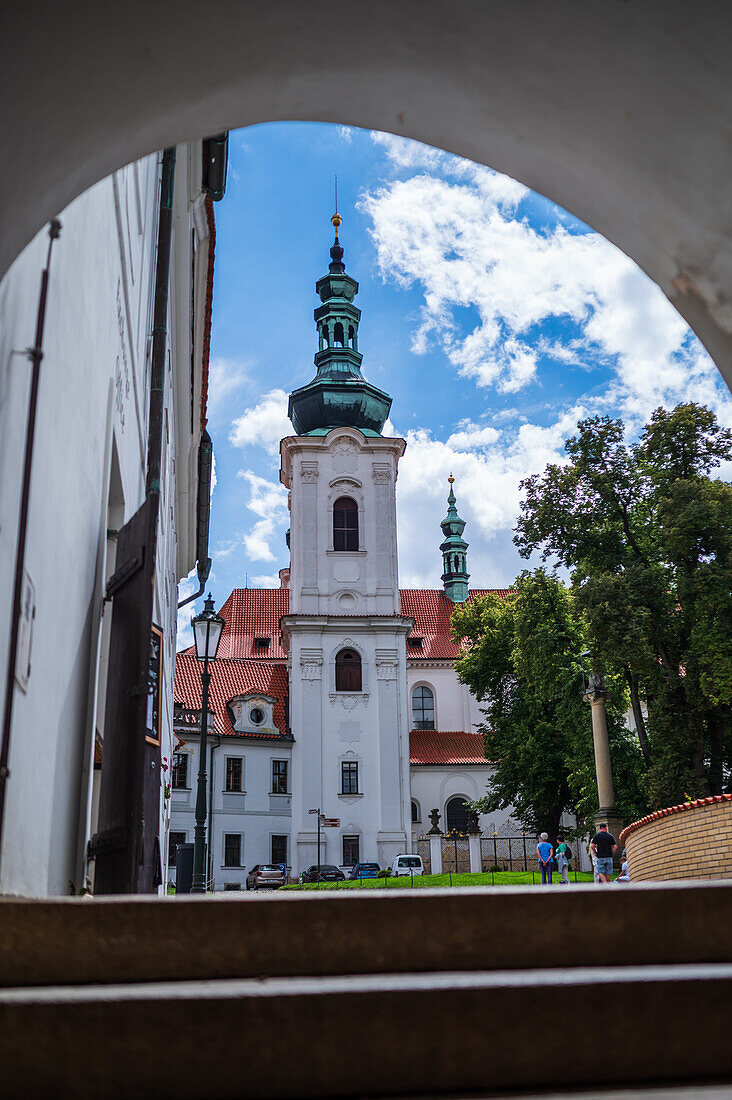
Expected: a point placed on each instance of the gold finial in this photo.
(336, 220)
(451, 479)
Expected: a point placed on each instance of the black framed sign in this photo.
(155, 680)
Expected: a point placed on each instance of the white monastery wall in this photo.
(88, 478)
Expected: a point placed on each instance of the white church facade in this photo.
(336, 692)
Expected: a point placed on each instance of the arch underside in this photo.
(618, 112)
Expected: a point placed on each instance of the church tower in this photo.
(345, 634)
(455, 574)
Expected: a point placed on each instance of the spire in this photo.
(339, 395)
(454, 549)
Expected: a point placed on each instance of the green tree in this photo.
(521, 659)
(647, 535)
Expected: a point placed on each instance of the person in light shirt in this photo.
(545, 854)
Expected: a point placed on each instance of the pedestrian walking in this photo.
(604, 846)
(563, 857)
(545, 853)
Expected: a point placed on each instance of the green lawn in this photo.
(500, 878)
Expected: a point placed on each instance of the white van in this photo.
(407, 865)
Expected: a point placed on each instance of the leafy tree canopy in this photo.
(646, 533)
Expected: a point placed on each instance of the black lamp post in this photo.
(207, 628)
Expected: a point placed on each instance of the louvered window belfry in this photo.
(345, 524)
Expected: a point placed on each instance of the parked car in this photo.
(365, 870)
(265, 876)
(407, 865)
(322, 872)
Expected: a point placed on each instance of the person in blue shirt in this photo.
(545, 853)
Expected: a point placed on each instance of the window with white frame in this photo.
(416, 814)
(179, 777)
(279, 777)
(234, 772)
(423, 708)
(349, 777)
(232, 849)
(350, 851)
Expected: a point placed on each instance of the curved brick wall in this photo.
(693, 840)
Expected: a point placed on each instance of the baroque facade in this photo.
(337, 692)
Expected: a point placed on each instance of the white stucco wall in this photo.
(90, 452)
(255, 814)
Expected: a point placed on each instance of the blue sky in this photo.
(493, 318)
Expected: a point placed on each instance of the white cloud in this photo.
(471, 436)
(264, 424)
(487, 489)
(345, 133)
(451, 228)
(186, 588)
(268, 500)
(226, 378)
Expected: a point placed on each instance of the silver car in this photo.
(265, 876)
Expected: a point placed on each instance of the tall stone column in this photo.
(596, 697)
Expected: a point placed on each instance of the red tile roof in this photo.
(230, 677)
(456, 747)
(714, 798)
(256, 612)
(431, 610)
(253, 613)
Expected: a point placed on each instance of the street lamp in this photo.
(207, 628)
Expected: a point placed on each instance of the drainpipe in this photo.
(160, 325)
(35, 354)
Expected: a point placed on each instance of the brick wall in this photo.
(692, 841)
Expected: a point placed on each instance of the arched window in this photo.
(457, 814)
(416, 815)
(348, 670)
(345, 524)
(351, 336)
(325, 335)
(423, 709)
(338, 335)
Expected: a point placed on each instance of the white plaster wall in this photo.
(255, 814)
(93, 399)
(455, 707)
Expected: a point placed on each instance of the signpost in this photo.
(326, 823)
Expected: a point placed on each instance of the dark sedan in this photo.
(322, 872)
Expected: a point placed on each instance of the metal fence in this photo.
(455, 855)
(422, 848)
(510, 853)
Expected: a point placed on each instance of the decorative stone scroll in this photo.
(309, 472)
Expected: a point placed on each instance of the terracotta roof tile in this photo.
(253, 613)
(231, 677)
(672, 810)
(455, 747)
(431, 610)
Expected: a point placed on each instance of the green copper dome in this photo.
(455, 574)
(339, 396)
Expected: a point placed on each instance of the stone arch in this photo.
(509, 72)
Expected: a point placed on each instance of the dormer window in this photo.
(262, 641)
(415, 642)
(345, 524)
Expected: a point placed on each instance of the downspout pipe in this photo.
(35, 354)
(203, 514)
(160, 325)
